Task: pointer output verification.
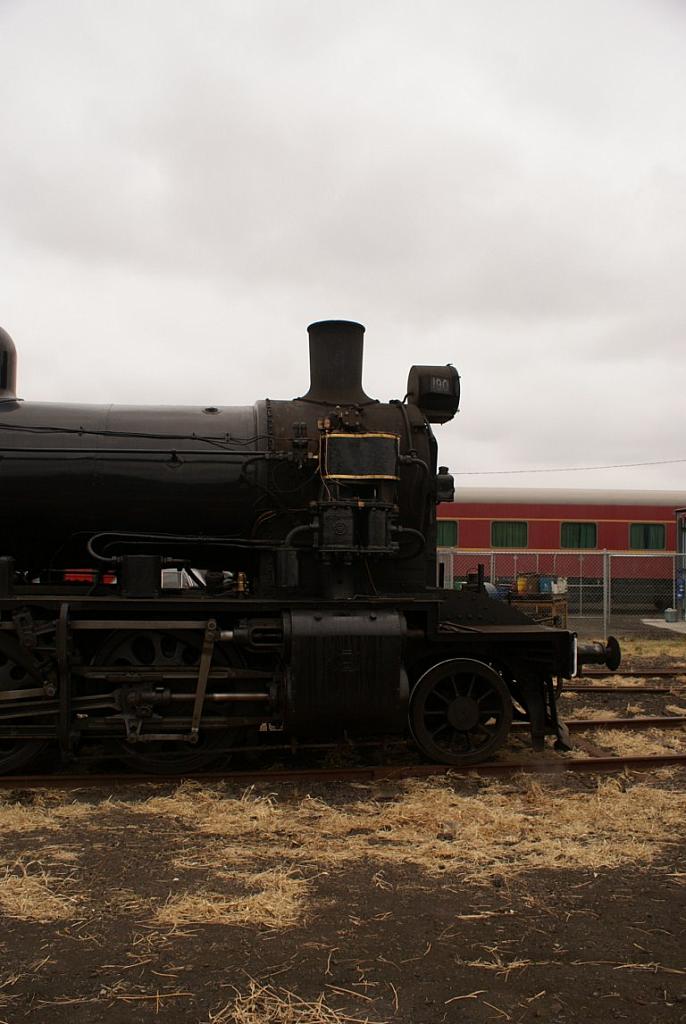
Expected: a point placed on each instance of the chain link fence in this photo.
(598, 589)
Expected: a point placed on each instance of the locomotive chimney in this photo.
(8, 368)
(336, 363)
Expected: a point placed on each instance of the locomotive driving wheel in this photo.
(153, 649)
(17, 754)
(460, 712)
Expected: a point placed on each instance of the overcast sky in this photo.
(499, 184)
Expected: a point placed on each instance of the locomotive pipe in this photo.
(134, 698)
(408, 531)
(336, 348)
(221, 697)
(411, 459)
(132, 540)
(297, 531)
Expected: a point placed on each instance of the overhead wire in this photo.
(567, 469)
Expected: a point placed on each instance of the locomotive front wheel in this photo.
(17, 754)
(147, 649)
(460, 712)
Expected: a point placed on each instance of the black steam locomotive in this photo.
(178, 583)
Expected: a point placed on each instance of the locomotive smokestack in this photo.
(336, 362)
(8, 368)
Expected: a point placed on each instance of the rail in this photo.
(379, 773)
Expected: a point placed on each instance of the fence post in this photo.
(606, 592)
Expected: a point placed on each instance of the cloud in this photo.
(185, 187)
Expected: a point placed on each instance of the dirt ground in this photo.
(455, 899)
(652, 648)
(450, 900)
(628, 628)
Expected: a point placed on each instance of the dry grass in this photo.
(124, 902)
(590, 713)
(277, 900)
(467, 830)
(60, 855)
(644, 650)
(643, 742)
(29, 893)
(509, 827)
(268, 1005)
(48, 813)
(614, 681)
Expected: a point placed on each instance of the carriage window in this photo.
(647, 536)
(578, 535)
(509, 535)
(447, 533)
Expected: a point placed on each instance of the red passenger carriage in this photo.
(567, 533)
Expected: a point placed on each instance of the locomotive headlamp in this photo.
(445, 485)
(435, 390)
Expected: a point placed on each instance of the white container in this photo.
(671, 615)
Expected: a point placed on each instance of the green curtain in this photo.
(578, 535)
(447, 534)
(647, 536)
(509, 535)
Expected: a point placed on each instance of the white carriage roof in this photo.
(567, 496)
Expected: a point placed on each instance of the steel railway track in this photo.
(595, 688)
(546, 764)
(73, 780)
(642, 673)
(623, 689)
(558, 765)
(634, 722)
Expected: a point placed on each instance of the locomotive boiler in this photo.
(177, 583)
